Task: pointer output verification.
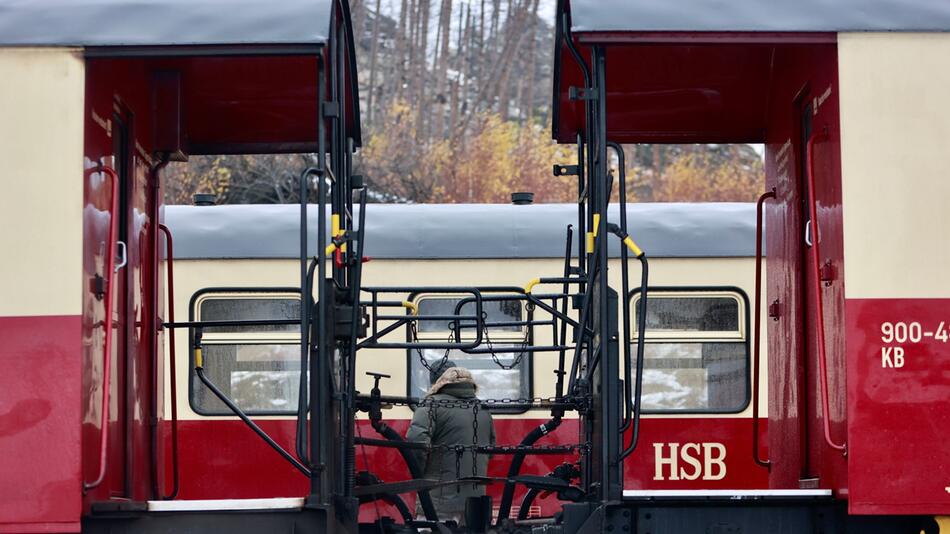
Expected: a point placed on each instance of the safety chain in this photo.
(518, 357)
(414, 333)
(475, 439)
(582, 448)
(579, 403)
(519, 348)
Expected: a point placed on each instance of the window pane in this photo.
(691, 314)
(694, 376)
(258, 378)
(493, 381)
(251, 309)
(497, 311)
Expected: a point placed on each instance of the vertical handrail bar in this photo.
(625, 288)
(107, 323)
(318, 363)
(170, 277)
(757, 328)
(562, 338)
(306, 294)
(816, 288)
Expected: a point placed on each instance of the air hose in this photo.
(504, 507)
(415, 470)
(425, 500)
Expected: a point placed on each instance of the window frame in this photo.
(701, 337)
(527, 367)
(217, 338)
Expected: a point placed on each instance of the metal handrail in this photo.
(757, 329)
(170, 282)
(816, 287)
(107, 322)
(625, 289)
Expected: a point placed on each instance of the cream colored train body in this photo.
(239, 262)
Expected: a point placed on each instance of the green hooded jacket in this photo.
(450, 426)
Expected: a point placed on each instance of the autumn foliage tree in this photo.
(697, 177)
(695, 173)
(455, 99)
(496, 158)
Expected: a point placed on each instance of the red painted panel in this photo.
(24, 528)
(249, 101)
(39, 423)
(713, 453)
(674, 93)
(899, 414)
(223, 459)
(247, 104)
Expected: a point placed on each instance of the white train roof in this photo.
(463, 231)
(163, 22)
(759, 15)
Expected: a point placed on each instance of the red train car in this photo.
(849, 99)
(97, 98)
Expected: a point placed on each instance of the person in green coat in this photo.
(448, 426)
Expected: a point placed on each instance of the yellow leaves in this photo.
(484, 166)
(213, 176)
(487, 162)
(493, 159)
(697, 177)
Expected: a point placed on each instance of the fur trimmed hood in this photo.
(453, 375)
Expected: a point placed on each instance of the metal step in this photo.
(286, 515)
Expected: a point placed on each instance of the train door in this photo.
(118, 482)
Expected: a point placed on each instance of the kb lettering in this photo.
(689, 461)
(892, 357)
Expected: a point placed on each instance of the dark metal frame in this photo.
(330, 330)
(526, 365)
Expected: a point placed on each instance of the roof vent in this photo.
(204, 199)
(522, 198)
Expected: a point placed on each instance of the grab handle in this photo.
(107, 323)
(170, 283)
(816, 289)
(124, 254)
(757, 327)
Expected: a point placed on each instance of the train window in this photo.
(502, 375)
(256, 366)
(696, 356)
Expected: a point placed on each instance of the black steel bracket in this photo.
(581, 93)
(331, 110)
(566, 170)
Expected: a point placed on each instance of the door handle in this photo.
(808, 233)
(123, 255)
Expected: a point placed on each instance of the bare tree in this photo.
(442, 67)
(374, 59)
(422, 69)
